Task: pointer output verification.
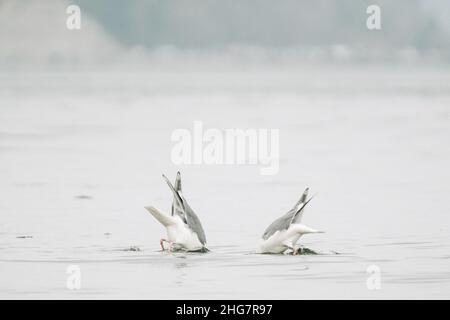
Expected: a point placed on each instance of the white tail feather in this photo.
(303, 229)
(164, 219)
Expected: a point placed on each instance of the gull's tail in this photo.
(304, 229)
(165, 220)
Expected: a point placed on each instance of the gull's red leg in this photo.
(161, 243)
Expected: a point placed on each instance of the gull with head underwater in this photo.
(184, 229)
(284, 232)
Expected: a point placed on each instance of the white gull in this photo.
(284, 232)
(184, 230)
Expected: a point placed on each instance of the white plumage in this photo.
(184, 229)
(179, 235)
(284, 232)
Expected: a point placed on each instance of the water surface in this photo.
(81, 154)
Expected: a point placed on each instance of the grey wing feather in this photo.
(302, 198)
(279, 224)
(178, 182)
(285, 221)
(298, 215)
(189, 217)
(194, 223)
(176, 209)
(178, 205)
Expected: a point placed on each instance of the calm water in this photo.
(81, 154)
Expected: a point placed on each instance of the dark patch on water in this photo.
(132, 248)
(306, 251)
(83, 197)
(202, 250)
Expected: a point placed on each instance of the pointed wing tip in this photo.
(305, 203)
(165, 178)
(305, 194)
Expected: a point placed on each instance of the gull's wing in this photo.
(302, 198)
(287, 219)
(279, 224)
(176, 209)
(188, 215)
(178, 205)
(177, 184)
(297, 218)
(299, 213)
(194, 223)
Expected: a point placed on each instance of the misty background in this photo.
(213, 32)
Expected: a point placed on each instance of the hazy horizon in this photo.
(149, 33)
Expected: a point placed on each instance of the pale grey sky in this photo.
(122, 32)
(216, 23)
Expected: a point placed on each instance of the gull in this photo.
(184, 229)
(284, 232)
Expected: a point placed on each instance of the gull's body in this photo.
(284, 232)
(184, 230)
(179, 236)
